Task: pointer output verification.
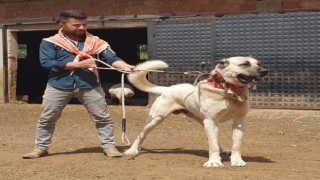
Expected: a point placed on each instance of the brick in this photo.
(231, 1)
(180, 9)
(36, 14)
(118, 11)
(152, 3)
(48, 12)
(309, 4)
(63, 7)
(186, 2)
(168, 2)
(165, 9)
(203, 2)
(269, 6)
(132, 10)
(226, 8)
(103, 10)
(197, 8)
(150, 10)
(137, 3)
(248, 7)
(122, 3)
(290, 4)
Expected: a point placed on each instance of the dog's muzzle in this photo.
(252, 79)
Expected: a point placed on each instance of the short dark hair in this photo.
(76, 14)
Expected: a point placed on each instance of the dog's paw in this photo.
(238, 163)
(131, 152)
(213, 163)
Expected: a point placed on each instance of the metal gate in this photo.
(184, 43)
(287, 44)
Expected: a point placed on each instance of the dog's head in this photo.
(241, 70)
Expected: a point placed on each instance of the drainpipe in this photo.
(5, 64)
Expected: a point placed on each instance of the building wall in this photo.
(12, 11)
(22, 9)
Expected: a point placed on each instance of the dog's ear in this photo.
(222, 63)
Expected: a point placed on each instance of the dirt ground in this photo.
(274, 147)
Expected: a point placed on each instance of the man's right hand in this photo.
(86, 63)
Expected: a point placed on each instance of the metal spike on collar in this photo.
(241, 98)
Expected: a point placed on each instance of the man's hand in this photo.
(130, 68)
(86, 63)
(123, 65)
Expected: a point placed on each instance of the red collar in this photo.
(217, 81)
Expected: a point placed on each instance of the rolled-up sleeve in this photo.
(47, 56)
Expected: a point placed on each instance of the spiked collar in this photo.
(217, 81)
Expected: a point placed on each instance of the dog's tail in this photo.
(139, 80)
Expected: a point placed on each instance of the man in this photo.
(69, 57)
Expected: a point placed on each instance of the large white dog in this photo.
(223, 96)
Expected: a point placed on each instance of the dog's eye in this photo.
(246, 64)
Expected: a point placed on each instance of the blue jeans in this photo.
(55, 100)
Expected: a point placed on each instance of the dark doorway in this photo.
(32, 78)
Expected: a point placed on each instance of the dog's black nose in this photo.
(263, 72)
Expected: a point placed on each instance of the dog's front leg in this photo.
(238, 129)
(212, 129)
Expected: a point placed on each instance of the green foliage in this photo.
(143, 52)
(22, 51)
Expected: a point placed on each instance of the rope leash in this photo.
(124, 137)
(299, 120)
(121, 70)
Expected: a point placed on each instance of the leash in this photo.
(124, 137)
(300, 120)
(121, 70)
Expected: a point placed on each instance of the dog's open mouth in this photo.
(248, 79)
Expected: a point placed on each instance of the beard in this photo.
(75, 33)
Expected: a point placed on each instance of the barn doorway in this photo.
(32, 78)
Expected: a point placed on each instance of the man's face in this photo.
(74, 27)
